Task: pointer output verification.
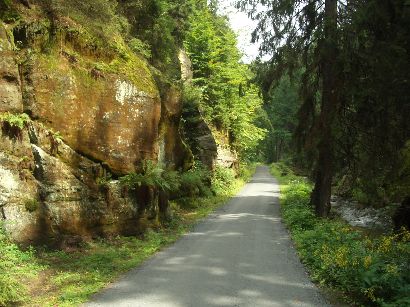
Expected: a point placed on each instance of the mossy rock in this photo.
(31, 205)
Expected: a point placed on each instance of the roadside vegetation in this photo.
(42, 277)
(368, 269)
(123, 37)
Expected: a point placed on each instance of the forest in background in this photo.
(336, 92)
(332, 103)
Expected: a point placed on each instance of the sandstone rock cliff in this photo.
(95, 114)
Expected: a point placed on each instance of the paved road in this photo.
(239, 256)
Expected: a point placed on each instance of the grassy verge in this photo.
(373, 271)
(40, 277)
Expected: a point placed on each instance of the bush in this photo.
(222, 180)
(140, 47)
(191, 96)
(171, 181)
(283, 172)
(245, 171)
(31, 205)
(195, 182)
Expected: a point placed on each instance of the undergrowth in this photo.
(371, 271)
(15, 120)
(15, 265)
(152, 175)
(12, 124)
(42, 277)
(198, 181)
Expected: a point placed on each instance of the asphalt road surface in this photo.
(241, 255)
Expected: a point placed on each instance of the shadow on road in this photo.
(240, 256)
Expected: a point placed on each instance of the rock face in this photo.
(199, 136)
(174, 153)
(186, 67)
(49, 192)
(109, 119)
(10, 87)
(226, 157)
(88, 127)
(195, 130)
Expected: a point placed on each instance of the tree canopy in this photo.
(353, 91)
(229, 100)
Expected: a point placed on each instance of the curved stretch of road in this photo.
(240, 255)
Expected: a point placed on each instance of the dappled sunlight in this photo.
(239, 256)
(217, 271)
(214, 286)
(246, 216)
(192, 234)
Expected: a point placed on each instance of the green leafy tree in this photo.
(160, 27)
(228, 101)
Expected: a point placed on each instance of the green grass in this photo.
(15, 265)
(73, 276)
(68, 278)
(373, 271)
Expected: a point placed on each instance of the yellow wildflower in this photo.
(405, 235)
(345, 229)
(368, 243)
(385, 244)
(355, 262)
(392, 269)
(367, 261)
(370, 293)
(341, 257)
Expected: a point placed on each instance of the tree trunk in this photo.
(321, 193)
(163, 204)
(280, 149)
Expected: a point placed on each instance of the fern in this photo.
(152, 175)
(18, 121)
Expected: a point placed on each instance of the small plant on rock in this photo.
(13, 124)
(15, 120)
(103, 181)
(152, 175)
(31, 205)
